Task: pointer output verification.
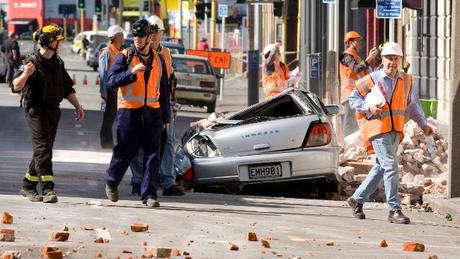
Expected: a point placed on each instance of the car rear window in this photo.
(182, 65)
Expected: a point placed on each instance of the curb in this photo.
(444, 206)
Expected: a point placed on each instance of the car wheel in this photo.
(211, 107)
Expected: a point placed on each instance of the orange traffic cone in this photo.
(73, 78)
(85, 81)
(97, 80)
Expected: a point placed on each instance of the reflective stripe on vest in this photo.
(393, 115)
(276, 82)
(113, 52)
(348, 77)
(133, 96)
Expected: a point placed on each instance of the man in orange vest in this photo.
(167, 172)
(352, 68)
(275, 72)
(143, 112)
(106, 58)
(382, 100)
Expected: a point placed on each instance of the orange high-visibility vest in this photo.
(166, 54)
(112, 51)
(348, 77)
(276, 82)
(393, 116)
(138, 94)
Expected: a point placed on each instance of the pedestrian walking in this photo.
(106, 59)
(43, 83)
(275, 71)
(84, 46)
(381, 122)
(167, 172)
(143, 112)
(11, 48)
(203, 44)
(352, 68)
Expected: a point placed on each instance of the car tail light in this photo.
(188, 176)
(319, 134)
(207, 84)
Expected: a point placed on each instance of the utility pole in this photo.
(180, 19)
(213, 22)
(195, 27)
(82, 19)
(453, 182)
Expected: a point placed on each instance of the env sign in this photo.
(388, 9)
(217, 59)
(222, 10)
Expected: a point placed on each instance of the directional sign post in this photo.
(253, 77)
(223, 13)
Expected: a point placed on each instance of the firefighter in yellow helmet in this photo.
(352, 68)
(43, 83)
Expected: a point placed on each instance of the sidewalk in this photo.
(445, 206)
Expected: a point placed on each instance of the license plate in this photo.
(185, 82)
(265, 171)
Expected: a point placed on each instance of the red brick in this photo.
(59, 236)
(175, 252)
(413, 247)
(7, 218)
(100, 240)
(251, 236)
(383, 243)
(139, 227)
(54, 255)
(7, 235)
(233, 247)
(161, 252)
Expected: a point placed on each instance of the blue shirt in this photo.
(414, 110)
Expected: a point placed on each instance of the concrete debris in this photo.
(60, 236)
(265, 243)
(7, 218)
(7, 235)
(139, 227)
(413, 247)
(233, 247)
(418, 166)
(11, 255)
(251, 236)
(383, 243)
(102, 236)
(207, 123)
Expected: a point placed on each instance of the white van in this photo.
(92, 36)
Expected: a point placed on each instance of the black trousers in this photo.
(108, 119)
(43, 123)
(11, 68)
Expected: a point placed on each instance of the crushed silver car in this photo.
(286, 138)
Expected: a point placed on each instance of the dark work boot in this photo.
(49, 196)
(151, 202)
(175, 190)
(357, 208)
(396, 216)
(136, 190)
(32, 195)
(112, 193)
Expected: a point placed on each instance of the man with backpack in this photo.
(106, 59)
(143, 112)
(43, 83)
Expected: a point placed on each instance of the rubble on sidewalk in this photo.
(413, 247)
(7, 218)
(11, 255)
(421, 172)
(7, 235)
(60, 236)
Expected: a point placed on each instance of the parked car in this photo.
(196, 81)
(94, 37)
(93, 55)
(286, 138)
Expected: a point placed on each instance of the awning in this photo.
(22, 21)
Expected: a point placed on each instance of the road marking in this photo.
(82, 156)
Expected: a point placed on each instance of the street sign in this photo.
(253, 59)
(389, 9)
(314, 67)
(328, 1)
(217, 59)
(222, 10)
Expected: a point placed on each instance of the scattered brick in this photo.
(100, 240)
(11, 255)
(330, 243)
(127, 251)
(160, 252)
(432, 256)
(383, 243)
(98, 254)
(51, 252)
(186, 253)
(265, 243)
(175, 252)
(413, 247)
(251, 236)
(139, 227)
(7, 235)
(7, 218)
(65, 228)
(88, 228)
(147, 255)
(233, 247)
(59, 236)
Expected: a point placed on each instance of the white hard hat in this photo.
(114, 30)
(155, 20)
(269, 48)
(391, 48)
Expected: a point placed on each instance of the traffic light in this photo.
(81, 4)
(98, 6)
(278, 9)
(201, 9)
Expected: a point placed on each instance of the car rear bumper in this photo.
(195, 96)
(297, 165)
